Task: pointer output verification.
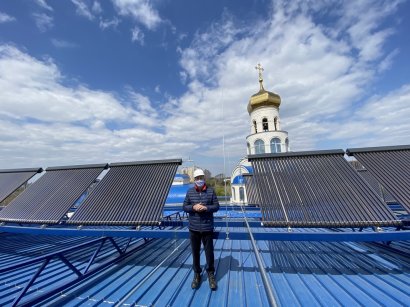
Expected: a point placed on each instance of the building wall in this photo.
(239, 170)
(271, 113)
(189, 171)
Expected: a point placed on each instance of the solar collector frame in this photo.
(131, 194)
(316, 189)
(49, 198)
(12, 179)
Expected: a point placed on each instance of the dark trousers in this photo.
(207, 241)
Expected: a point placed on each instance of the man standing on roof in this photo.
(201, 202)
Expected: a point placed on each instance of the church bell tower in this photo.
(266, 134)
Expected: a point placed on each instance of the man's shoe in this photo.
(196, 281)
(212, 281)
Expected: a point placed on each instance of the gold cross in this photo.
(260, 69)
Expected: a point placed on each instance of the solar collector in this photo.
(297, 182)
(379, 212)
(131, 193)
(371, 180)
(49, 198)
(12, 179)
(390, 165)
(251, 190)
(342, 206)
(318, 196)
(274, 212)
(316, 189)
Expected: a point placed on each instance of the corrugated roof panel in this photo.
(129, 194)
(301, 273)
(390, 166)
(55, 273)
(49, 198)
(316, 190)
(11, 179)
(17, 248)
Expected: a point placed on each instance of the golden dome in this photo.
(263, 97)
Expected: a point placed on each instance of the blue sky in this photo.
(125, 80)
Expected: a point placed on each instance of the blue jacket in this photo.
(201, 221)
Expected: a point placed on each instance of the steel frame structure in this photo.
(80, 274)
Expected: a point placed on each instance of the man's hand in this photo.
(199, 207)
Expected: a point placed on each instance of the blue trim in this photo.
(250, 169)
(237, 235)
(238, 180)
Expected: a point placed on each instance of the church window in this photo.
(275, 123)
(241, 194)
(287, 144)
(275, 145)
(259, 147)
(249, 148)
(255, 127)
(265, 124)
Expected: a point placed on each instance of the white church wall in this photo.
(265, 112)
(266, 137)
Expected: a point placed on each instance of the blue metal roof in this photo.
(159, 271)
(302, 273)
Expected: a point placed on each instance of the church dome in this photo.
(263, 98)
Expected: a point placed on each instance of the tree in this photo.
(218, 184)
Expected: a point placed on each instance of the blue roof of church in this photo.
(250, 169)
(238, 180)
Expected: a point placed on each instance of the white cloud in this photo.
(82, 9)
(6, 18)
(32, 88)
(59, 43)
(97, 9)
(43, 21)
(320, 75)
(380, 121)
(44, 5)
(43, 122)
(322, 70)
(386, 119)
(137, 36)
(386, 63)
(140, 10)
(105, 24)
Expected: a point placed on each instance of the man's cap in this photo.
(198, 172)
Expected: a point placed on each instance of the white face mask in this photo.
(199, 183)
